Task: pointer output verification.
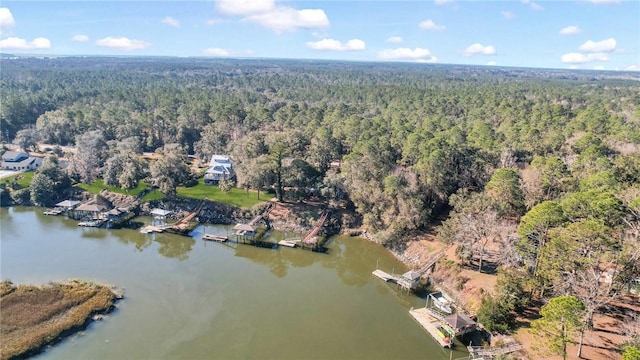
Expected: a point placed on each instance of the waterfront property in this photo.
(17, 160)
(220, 168)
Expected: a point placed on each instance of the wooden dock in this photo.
(385, 276)
(288, 243)
(432, 326)
(212, 237)
(53, 212)
(152, 228)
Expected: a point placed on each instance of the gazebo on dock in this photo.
(460, 323)
(245, 230)
(159, 217)
(92, 211)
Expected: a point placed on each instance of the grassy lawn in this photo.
(237, 197)
(99, 185)
(24, 179)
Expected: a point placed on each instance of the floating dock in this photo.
(433, 326)
(212, 237)
(151, 228)
(288, 243)
(53, 212)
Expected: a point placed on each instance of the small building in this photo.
(460, 323)
(220, 168)
(159, 217)
(245, 230)
(92, 211)
(17, 160)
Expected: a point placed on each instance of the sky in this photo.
(561, 34)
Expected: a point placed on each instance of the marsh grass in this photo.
(33, 317)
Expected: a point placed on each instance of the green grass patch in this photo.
(153, 195)
(236, 197)
(99, 185)
(23, 179)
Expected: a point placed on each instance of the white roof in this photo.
(160, 212)
(220, 160)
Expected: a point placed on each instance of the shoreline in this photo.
(63, 309)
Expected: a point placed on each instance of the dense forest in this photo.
(544, 162)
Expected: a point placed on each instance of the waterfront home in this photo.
(17, 160)
(220, 168)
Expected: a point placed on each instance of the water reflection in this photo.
(177, 247)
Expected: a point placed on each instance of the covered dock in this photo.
(433, 326)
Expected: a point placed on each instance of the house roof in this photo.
(244, 227)
(160, 212)
(14, 156)
(91, 207)
(459, 321)
(68, 203)
(411, 275)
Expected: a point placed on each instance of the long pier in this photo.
(433, 327)
(311, 239)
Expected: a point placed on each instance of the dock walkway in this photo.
(480, 352)
(432, 326)
(212, 237)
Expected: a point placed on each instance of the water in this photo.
(190, 299)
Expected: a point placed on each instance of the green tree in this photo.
(42, 190)
(495, 315)
(504, 189)
(560, 323)
(277, 154)
(533, 230)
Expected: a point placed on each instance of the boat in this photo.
(441, 302)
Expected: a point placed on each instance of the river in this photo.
(186, 298)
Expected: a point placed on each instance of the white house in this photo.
(220, 168)
(16, 160)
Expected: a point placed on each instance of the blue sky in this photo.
(583, 34)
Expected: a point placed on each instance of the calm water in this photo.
(190, 299)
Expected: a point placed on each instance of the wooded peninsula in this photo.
(530, 175)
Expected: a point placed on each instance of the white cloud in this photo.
(599, 67)
(282, 18)
(632, 68)
(6, 20)
(171, 21)
(479, 49)
(533, 5)
(122, 43)
(14, 43)
(335, 45)
(217, 52)
(442, 2)
(579, 58)
(430, 25)
(570, 30)
(574, 58)
(417, 54)
(605, 1)
(80, 38)
(492, 63)
(607, 45)
(508, 15)
(245, 7)
(394, 39)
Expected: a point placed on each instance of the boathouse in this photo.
(460, 323)
(159, 217)
(91, 211)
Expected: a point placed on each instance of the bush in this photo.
(495, 315)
